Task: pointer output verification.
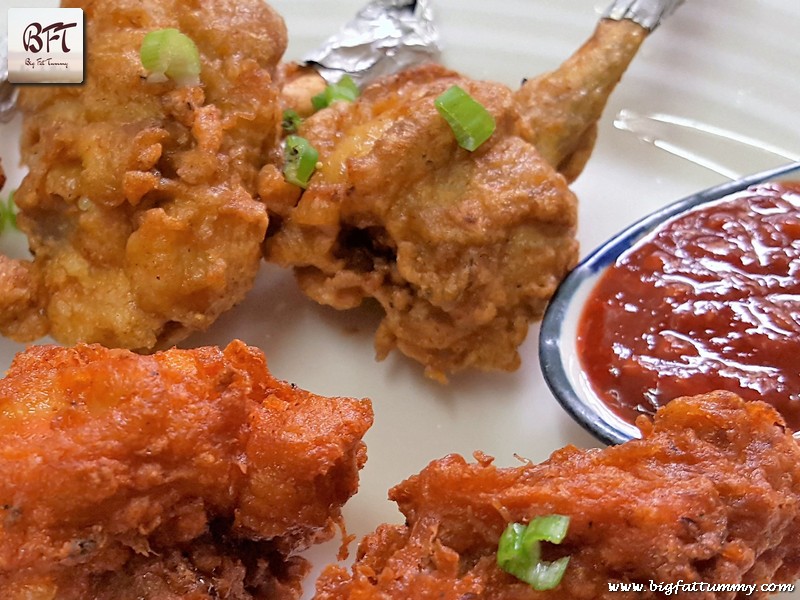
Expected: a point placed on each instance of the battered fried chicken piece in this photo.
(19, 307)
(18, 290)
(183, 474)
(710, 494)
(461, 249)
(140, 205)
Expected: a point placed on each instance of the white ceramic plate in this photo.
(730, 64)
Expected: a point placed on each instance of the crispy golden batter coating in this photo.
(188, 472)
(710, 494)
(461, 249)
(140, 205)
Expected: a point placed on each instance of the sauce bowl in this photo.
(558, 339)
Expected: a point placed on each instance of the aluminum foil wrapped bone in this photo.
(647, 13)
(385, 37)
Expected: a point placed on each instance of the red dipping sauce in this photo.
(710, 300)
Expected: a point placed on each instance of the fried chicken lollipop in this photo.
(140, 203)
(461, 249)
(183, 474)
(18, 290)
(710, 494)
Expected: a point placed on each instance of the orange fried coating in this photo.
(184, 474)
(461, 249)
(710, 494)
(140, 205)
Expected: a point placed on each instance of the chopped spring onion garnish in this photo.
(471, 123)
(300, 160)
(519, 551)
(345, 89)
(291, 120)
(168, 53)
(8, 212)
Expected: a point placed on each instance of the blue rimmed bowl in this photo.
(558, 352)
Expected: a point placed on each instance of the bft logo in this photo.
(33, 41)
(45, 45)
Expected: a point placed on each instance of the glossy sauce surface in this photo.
(710, 300)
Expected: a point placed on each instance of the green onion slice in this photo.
(8, 212)
(345, 89)
(519, 551)
(291, 120)
(471, 123)
(300, 160)
(168, 53)
(549, 528)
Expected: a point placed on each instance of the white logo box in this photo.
(45, 45)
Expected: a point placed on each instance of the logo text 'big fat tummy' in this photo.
(45, 45)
